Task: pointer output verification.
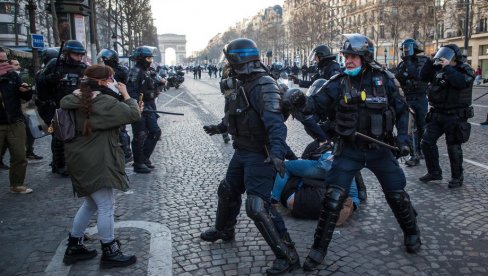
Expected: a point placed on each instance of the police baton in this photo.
(163, 112)
(371, 139)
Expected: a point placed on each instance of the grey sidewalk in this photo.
(180, 195)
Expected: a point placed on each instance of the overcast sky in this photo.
(200, 20)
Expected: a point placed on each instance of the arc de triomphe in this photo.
(177, 42)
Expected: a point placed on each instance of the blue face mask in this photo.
(353, 72)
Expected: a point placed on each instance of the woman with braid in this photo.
(95, 162)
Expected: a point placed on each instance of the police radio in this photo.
(354, 97)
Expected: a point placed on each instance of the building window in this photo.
(482, 27)
(7, 8)
(439, 3)
(483, 50)
(8, 28)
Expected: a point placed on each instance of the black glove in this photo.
(212, 129)
(277, 163)
(290, 155)
(346, 119)
(298, 100)
(53, 77)
(404, 150)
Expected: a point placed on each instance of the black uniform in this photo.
(145, 132)
(325, 71)
(256, 125)
(415, 90)
(450, 98)
(60, 80)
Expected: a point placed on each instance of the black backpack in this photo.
(63, 124)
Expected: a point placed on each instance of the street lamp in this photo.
(386, 55)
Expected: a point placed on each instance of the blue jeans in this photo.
(103, 202)
(310, 169)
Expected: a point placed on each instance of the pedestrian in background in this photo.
(12, 126)
(98, 117)
(478, 74)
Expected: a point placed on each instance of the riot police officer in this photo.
(450, 98)
(363, 100)
(44, 101)
(61, 77)
(146, 132)
(111, 58)
(408, 74)
(327, 66)
(256, 124)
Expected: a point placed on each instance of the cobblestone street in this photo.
(161, 217)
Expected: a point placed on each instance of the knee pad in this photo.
(256, 208)
(225, 191)
(334, 198)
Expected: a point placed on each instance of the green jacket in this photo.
(97, 161)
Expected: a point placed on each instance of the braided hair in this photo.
(91, 82)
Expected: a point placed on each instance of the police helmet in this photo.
(108, 56)
(410, 47)
(315, 87)
(143, 52)
(241, 50)
(276, 69)
(450, 52)
(322, 52)
(48, 54)
(73, 46)
(358, 44)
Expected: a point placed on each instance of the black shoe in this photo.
(128, 159)
(485, 123)
(141, 168)
(112, 256)
(455, 182)
(33, 156)
(60, 171)
(412, 243)
(212, 235)
(149, 164)
(429, 177)
(310, 265)
(77, 251)
(281, 266)
(413, 161)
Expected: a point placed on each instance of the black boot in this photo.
(228, 209)
(77, 251)
(149, 164)
(332, 205)
(362, 194)
(141, 168)
(212, 234)
(455, 153)
(286, 256)
(405, 214)
(112, 256)
(412, 161)
(431, 154)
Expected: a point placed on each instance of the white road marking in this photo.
(176, 98)
(472, 162)
(160, 257)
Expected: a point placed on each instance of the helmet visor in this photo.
(355, 43)
(238, 56)
(445, 52)
(408, 49)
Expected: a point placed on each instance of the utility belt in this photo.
(240, 146)
(467, 112)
